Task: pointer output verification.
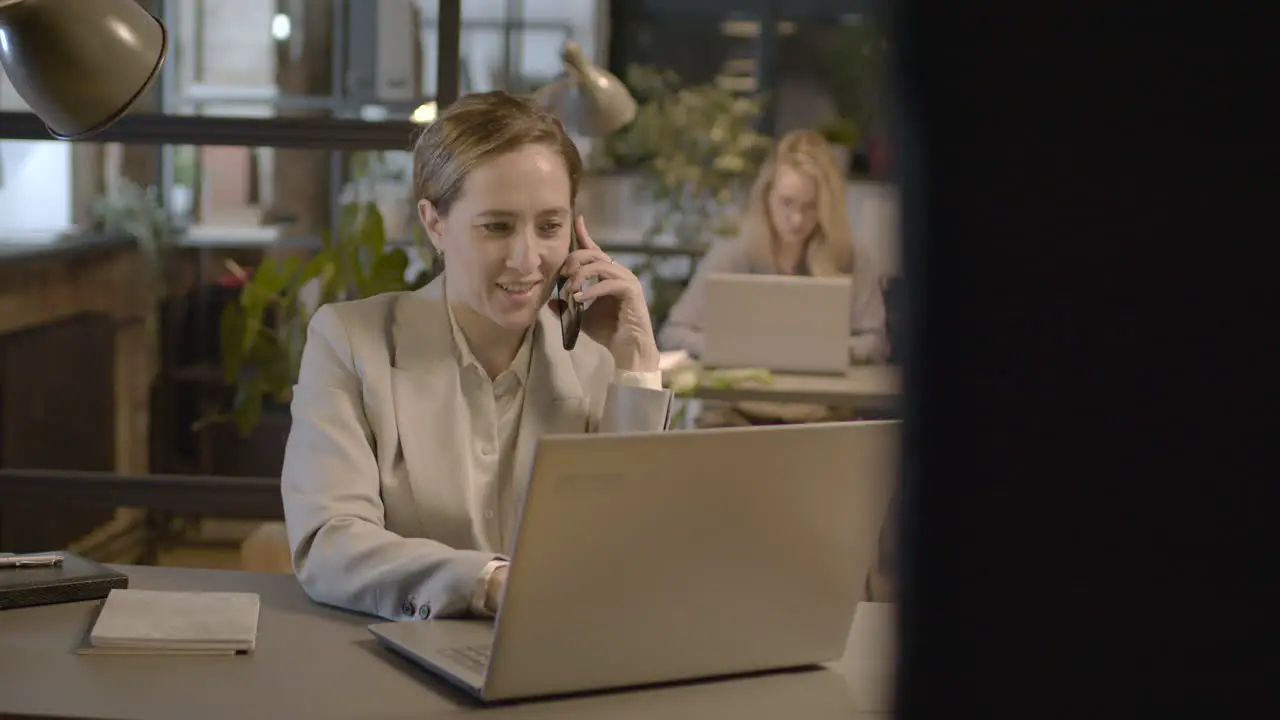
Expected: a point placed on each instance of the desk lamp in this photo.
(589, 100)
(80, 64)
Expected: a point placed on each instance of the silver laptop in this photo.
(656, 557)
(777, 322)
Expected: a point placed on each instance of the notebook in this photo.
(159, 622)
(76, 579)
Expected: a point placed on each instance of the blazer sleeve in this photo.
(683, 328)
(342, 552)
(634, 402)
(868, 339)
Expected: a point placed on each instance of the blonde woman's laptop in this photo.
(657, 557)
(778, 322)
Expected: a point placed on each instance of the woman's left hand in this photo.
(618, 316)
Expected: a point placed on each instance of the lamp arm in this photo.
(542, 96)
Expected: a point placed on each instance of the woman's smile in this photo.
(520, 291)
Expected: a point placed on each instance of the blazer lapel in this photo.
(430, 419)
(553, 402)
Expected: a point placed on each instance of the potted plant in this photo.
(612, 196)
(695, 151)
(845, 138)
(130, 210)
(264, 332)
(856, 72)
(186, 183)
(384, 177)
(133, 211)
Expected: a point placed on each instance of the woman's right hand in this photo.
(497, 586)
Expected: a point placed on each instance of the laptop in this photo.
(778, 322)
(646, 558)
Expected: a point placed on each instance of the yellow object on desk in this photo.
(876, 388)
(684, 380)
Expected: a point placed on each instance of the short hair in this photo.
(476, 128)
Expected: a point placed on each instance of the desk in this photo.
(317, 662)
(863, 387)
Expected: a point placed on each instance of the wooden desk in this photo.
(316, 662)
(864, 387)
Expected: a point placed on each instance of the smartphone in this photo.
(571, 317)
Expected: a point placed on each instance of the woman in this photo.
(416, 414)
(795, 224)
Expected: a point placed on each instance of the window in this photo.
(277, 61)
(45, 185)
(285, 59)
(816, 68)
(262, 57)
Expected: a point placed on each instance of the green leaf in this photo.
(314, 268)
(275, 368)
(373, 234)
(348, 222)
(264, 334)
(232, 340)
(387, 272)
(271, 278)
(246, 408)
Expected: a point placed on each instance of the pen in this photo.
(26, 561)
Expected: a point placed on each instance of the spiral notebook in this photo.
(159, 622)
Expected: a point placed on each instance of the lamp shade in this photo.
(596, 103)
(80, 64)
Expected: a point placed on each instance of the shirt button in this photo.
(407, 608)
(424, 612)
(486, 449)
(488, 514)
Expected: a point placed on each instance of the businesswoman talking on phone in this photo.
(415, 415)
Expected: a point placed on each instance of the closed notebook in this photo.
(76, 579)
(178, 623)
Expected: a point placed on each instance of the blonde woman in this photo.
(795, 223)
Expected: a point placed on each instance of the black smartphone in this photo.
(571, 316)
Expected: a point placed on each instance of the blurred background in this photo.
(277, 137)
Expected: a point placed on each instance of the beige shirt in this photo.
(495, 426)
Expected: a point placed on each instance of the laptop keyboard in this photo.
(473, 657)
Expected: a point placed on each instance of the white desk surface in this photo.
(317, 662)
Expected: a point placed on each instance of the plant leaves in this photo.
(387, 272)
(373, 233)
(265, 333)
(246, 407)
(232, 340)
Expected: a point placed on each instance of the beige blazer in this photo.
(376, 501)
